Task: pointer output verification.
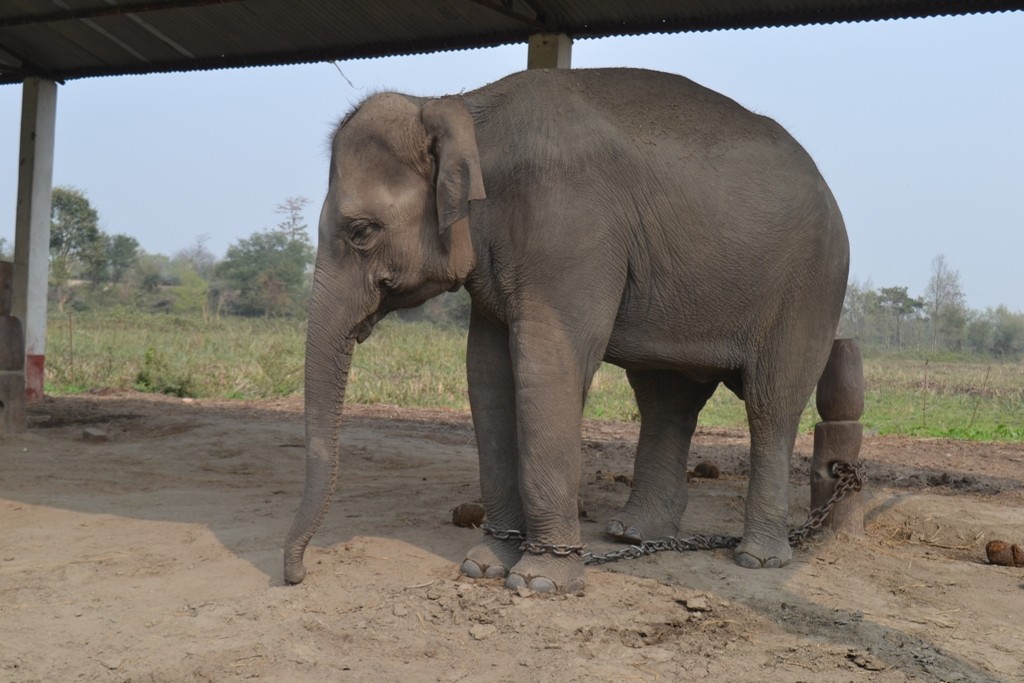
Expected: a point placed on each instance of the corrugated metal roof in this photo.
(66, 39)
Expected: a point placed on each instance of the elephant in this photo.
(619, 215)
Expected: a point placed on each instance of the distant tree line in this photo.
(937, 321)
(265, 274)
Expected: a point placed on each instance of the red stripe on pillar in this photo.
(34, 377)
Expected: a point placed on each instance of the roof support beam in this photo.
(549, 51)
(111, 10)
(506, 7)
(32, 224)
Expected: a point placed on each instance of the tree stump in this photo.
(13, 418)
(838, 437)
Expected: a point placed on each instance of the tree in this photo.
(267, 270)
(5, 255)
(1007, 332)
(197, 258)
(900, 305)
(122, 253)
(979, 332)
(946, 306)
(74, 237)
(294, 224)
(94, 261)
(192, 295)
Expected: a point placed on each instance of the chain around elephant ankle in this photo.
(532, 547)
(502, 534)
(535, 548)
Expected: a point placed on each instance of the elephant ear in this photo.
(453, 139)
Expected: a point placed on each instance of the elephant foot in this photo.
(628, 528)
(491, 559)
(547, 574)
(754, 554)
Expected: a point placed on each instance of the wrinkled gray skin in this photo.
(619, 215)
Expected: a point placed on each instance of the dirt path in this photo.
(156, 556)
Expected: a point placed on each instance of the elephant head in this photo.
(394, 232)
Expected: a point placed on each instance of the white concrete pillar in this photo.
(549, 51)
(32, 224)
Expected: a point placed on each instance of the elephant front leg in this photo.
(493, 402)
(552, 371)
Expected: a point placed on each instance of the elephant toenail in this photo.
(515, 582)
(495, 571)
(542, 585)
(614, 529)
(749, 561)
(471, 569)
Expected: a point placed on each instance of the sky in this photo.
(917, 125)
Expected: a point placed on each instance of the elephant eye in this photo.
(362, 234)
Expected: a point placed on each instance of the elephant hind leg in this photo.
(669, 404)
(775, 401)
(766, 523)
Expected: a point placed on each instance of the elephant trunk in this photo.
(328, 360)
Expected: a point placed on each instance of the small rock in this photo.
(94, 435)
(524, 592)
(468, 515)
(400, 611)
(482, 631)
(697, 604)
(865, 660)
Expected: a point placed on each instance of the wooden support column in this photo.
(32, 224)
(549, 51)
(837, 438)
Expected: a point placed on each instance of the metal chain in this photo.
(531, 546)
(552, 549)
(502, 534)
(850, 477)
(698, 542)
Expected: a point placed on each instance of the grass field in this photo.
(420, 364)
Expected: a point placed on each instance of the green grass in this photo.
(421, 364)
(185, 356)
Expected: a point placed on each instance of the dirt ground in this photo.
(156, 556)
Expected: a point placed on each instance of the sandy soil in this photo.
(155, 556)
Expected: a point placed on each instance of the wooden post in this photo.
(838, 437)
(549, 51)
(12, 358)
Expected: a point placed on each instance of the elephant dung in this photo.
(468, 515)
(1004, 554)
(705, 470)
